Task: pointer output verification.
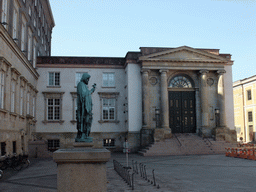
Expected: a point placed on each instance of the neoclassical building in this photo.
(244, 108)
(145, 96)
(25, 33)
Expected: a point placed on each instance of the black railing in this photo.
(124, 172)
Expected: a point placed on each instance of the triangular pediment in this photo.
(185, 54)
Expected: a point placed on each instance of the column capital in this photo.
(203, 72)
(145, 70)
(163, 71)
(221, 72)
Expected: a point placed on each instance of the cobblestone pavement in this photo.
(173, 173)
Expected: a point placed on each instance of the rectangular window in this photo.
(33, 107)
(108, 142)
(79, 76)
(29, 11)
(28, 111)
(21, 100)
(3, 148)
(38, 32)
(53, 109)
(54, 79)
(13, 96)
(1, 89)
(250, 119)
(29, 44)
(249, 95)
(15, 21)
(34, 53)
(108, 109)
(35, 2)
(4, 12)
(53, 145)
(14, 147)
(23, 31)
(108, 79)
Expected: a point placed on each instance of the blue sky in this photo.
(111, 28)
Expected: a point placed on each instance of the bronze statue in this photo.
(84, 109)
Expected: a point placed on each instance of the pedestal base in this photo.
(162, 133)
(81, 169)
(224, 133)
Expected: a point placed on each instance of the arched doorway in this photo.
(182, 117)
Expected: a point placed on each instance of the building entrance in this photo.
(182, 111)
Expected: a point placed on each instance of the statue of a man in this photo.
(84, 109)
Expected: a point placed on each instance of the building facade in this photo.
(145, 97)
(245, 108)
(25, 33)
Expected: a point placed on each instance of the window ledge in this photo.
(109, 147)
(29, 116)
(3, 110)
(52, 86)
(108, 121)
(56, 121)
(13, 114)
(22, 116)
(73, 122)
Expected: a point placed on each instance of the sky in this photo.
(111, 28)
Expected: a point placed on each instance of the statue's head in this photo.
(85, 78)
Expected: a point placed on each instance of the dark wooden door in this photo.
(182, 111)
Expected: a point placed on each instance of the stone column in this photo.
(204, 101)
(221, 97)
(146, 99)
(164, 99)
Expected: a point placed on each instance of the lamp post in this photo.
(157, 115)
(217, 117)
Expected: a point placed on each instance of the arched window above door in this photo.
(180, 82)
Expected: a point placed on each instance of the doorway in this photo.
(182, 111)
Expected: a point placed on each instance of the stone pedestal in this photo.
(225, 134)
(162, 133)
(81, 168)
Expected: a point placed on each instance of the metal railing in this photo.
(124, 172)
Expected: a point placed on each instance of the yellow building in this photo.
(245, 108)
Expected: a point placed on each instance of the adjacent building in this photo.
(245, 108)
(25, 33)
(145, 96)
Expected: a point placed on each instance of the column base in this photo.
(81, 169)
(224, 134)
(161, 134)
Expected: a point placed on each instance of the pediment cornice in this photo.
(183, 54)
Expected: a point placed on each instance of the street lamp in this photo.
(157, 115)
(217, 117)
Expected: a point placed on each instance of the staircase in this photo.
(186, 144)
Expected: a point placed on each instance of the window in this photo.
(74, 101)
(2, 89)
(35, 2)
(108, 142)
(21, 100)
(79, 76)
(53, 109)
(34, 53)
(23, 31)
(28, 111)
(33, 107)
(250, 116)
(108, 107)
(14, 147)
(29, 11)
(15, 21)
(29, 44)
(180, 82)
(249, 95)
(53, 145)
(38, 32)
(54, 78)
(13, 96)
(3, 148)
(4, 12)
(108, 79)
(34, 22)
